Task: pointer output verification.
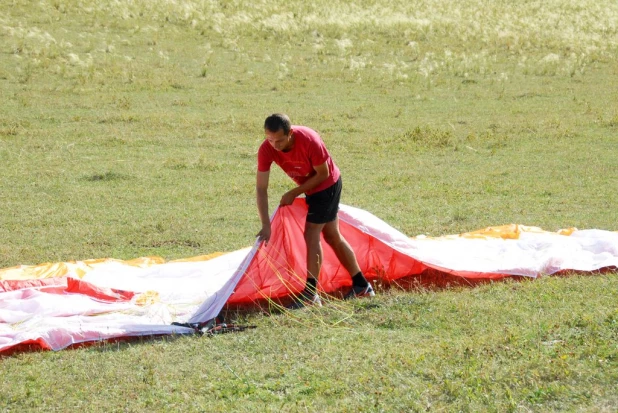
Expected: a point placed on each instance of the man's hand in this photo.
(264, 234)
(288, 198)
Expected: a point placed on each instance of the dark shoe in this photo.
(305, 299)
(358, 292)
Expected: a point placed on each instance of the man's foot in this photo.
(305, 299)
(358, 292)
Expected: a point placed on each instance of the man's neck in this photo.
(291, 145)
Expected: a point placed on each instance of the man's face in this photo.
(279, 140)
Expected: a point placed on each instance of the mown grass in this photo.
(130, 129)
(541, 346)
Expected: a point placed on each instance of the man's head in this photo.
(278, 130)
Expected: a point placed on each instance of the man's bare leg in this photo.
(309, 294)
(360, 286)
(340, 246)
(314, 249)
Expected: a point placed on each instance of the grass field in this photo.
(130, 128)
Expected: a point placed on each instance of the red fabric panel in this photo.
(62, 285)
(473, 275)
(26, 346)
(12, 285)
(100, 293)
(279, 268)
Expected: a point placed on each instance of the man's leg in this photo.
(340, 246)
(314, 249)
(309, 295)
(347, 258)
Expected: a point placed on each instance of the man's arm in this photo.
(321, 174)
(261, 190)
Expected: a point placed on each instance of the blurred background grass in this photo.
(130, 128)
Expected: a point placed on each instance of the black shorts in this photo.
(324, 205)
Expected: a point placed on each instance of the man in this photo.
(302, 155)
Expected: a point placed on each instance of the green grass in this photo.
(131, 128)
(542, 345)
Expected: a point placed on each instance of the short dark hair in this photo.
(278, 121)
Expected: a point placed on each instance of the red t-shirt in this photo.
(308, 150)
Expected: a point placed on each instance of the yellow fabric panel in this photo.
(147, 298)
(46, 270)
(144, 261)
(567, 231)
(510, 231)
(200, 257)
(80, 268)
